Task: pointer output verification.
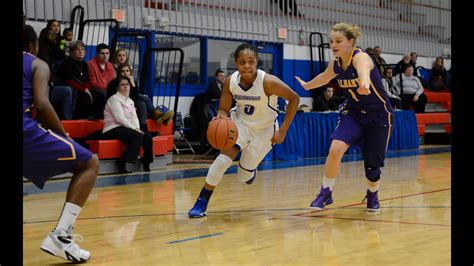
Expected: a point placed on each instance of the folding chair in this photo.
(179, 127)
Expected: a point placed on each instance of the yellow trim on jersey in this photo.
(377, 93)
(389, 132)
(73, 151)
(351, 56)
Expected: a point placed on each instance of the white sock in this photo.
(373, 186)
(68, 217)
(328, 182)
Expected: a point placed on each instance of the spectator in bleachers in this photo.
(412, 91)
(65, 42)
(47, 44)
(60, 95)
(120, 57)
(121, 122)
(101, 72)
(370, 51)
(439, 76)
(143, 103)
(392, 93)
(161, 116)
(75, 74)
(402, 64)
(214, 88)
(55, 26)
(379, 61)
(413, 58)
(124, 70)
(325, 101)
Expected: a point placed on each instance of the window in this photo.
(221, 55)
(192, 55)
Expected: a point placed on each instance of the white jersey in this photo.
(254, 107)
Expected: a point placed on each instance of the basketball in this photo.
(222, 133)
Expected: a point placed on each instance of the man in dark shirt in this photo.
(325, 101)
(215, 87)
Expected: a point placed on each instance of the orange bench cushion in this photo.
(75, 128)
(421, 130)
(112, 149)
(438, 97)
(433, 118)
(82, 128)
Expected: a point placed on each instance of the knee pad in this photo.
(372, 173)
(217, 169)
(244, 175)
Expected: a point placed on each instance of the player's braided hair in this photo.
(244, 46)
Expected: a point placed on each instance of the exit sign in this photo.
(282, 33)
(118, 14)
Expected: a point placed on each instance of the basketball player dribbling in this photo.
(256, 94)
(48, 151)
(365, 118)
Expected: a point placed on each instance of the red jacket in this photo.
(98, 77)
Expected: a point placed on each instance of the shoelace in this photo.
(77, 237)
(73, 246)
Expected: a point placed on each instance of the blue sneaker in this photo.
(250, 181)
(322, 199)
(199, 209)
(372, 201)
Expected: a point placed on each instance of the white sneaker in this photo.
(61, 244)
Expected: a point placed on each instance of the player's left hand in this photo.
(278, 137)
(363, 90)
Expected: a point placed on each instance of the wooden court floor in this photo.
(266, 223)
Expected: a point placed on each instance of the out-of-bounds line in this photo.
(194, 238)
(164, 214)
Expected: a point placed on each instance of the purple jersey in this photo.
(348, 80)
(364, 120)
(27, 80)
(28, 59)
(45, 153)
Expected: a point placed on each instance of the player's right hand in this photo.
(218, 117)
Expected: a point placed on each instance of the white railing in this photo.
(394, 25)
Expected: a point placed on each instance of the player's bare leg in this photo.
(331, 170)
(61, 242)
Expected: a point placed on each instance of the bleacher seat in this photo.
(111, 149)
(75, 128)
(421, 130)
(433, 123)
(441, 98)
(433, 118)
(438, 97)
